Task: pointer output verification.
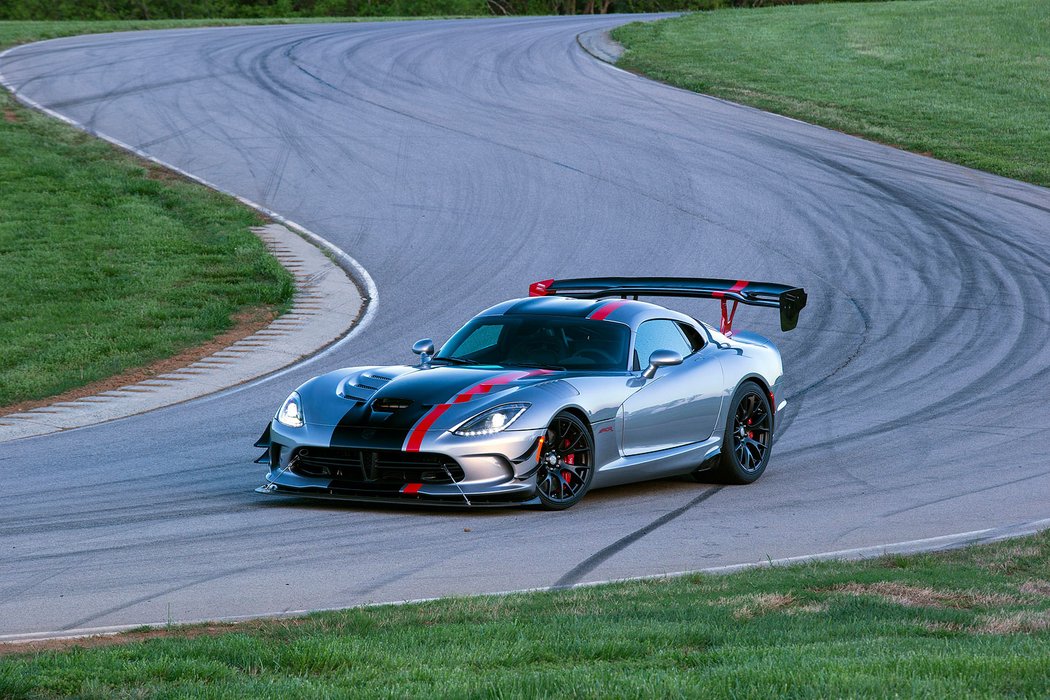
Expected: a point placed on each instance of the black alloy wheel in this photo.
(566, 462)
(748, 438)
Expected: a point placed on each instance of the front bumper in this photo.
(522, 493)
(458, 471)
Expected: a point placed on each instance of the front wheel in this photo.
(748, 438)
(566, 462)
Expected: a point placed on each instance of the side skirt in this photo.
(656, 465)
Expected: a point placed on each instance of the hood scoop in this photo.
(372, 382)
(363, 386)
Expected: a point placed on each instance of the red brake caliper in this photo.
(569, 459)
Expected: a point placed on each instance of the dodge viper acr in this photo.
(538, 400)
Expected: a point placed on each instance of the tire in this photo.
(748, 439)
(566, 462)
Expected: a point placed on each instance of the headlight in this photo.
(491, 421)
(291, 413)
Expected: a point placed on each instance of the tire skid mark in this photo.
(100, 614)
(947, 223)
(576, 574)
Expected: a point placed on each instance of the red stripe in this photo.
(605, 309)
(411, 488)
(487, 385)
(415, 438)
(738, 287)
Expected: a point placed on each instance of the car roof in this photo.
(627, 311)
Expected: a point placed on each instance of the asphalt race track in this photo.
(459, 161)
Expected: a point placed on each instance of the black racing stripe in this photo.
(553, 306)
(365, 428)
(363, 437)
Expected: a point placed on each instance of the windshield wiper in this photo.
(455, 360)
(538, 365)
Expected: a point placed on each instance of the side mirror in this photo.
(425, 349)
(661, 358)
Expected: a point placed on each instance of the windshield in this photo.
(554, 342)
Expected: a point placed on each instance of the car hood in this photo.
(392, 400)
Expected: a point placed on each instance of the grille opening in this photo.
(357, 469)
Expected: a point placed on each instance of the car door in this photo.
(680, 404)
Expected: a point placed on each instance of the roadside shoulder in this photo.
(600, 44)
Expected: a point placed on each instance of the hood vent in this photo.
(388, 404)
(365, 381)
(362, 387)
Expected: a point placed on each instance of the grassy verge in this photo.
(964, 80)
(107, 263)
(966, 623)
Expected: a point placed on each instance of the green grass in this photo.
(967, 623)
(107, 264)
(964, 80)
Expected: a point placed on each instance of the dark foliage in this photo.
(220, 9)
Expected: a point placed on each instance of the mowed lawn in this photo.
(969, 623)
(106, 263)
(964, 80)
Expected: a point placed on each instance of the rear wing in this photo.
(790, 300)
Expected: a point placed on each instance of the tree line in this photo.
(226, 9)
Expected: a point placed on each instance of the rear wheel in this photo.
(748, 438)
(566, 462)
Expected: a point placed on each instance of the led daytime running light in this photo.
(492, 421)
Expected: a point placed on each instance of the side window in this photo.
(483, 338)
(659, 334)
(693, 336)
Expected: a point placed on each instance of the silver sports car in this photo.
(539, 400)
